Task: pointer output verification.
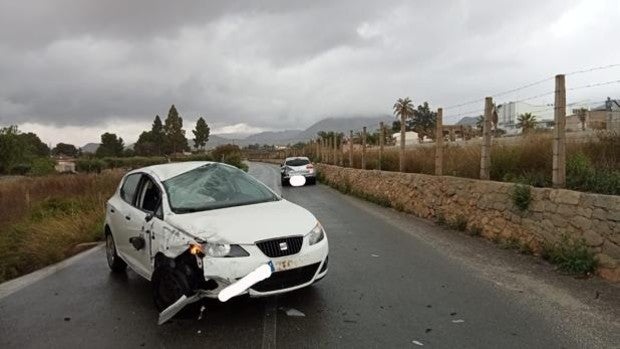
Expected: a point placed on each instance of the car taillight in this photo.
(309, 167)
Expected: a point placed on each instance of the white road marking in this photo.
(270, 323)
(12, 286)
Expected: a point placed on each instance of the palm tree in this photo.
(480, 122)
(403, 108)
(526, 121)
(581, 114)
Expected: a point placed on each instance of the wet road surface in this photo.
(395, 281)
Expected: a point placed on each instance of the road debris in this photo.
(293, 312)
(176, 307)
(67, 319)
(417, 343)
(374, 255)
(428, 330)
(202, 310)
(458, 321)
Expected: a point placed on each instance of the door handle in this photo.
(128, 218)
(112, 210)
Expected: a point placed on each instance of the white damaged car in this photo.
(195, 229)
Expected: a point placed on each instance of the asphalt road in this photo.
(394, 281)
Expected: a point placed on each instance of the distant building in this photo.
(601, 117)
(64, 164)
(411, 138)
(508, 113)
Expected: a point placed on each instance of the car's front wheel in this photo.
(169, 285)
(114, 261)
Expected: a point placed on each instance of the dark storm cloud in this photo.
(277, 64)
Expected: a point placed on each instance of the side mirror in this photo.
(149, 216)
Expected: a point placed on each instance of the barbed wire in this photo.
(532, 84)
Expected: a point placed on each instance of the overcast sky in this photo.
(73, 69)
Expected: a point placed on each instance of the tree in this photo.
(111, 146)
(494, 116)
(527, 122)
(157, 134)
(480, 122)
(146, 146)
(581, 114)
(65, 149)
(174, 134)
(403, 109)
(11, 148)
(424, 121)
(34, 146)
(201, 134)
(331, 134)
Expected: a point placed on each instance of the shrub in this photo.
(459, 223)
(475, 230)
(42, 167)
(90, 165)
(570, 255)
(521, 196)
(20, 169)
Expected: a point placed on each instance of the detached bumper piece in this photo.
(287, 278)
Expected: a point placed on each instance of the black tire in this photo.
(169, 285)
(285, 182)
(312, 181)
(115, 262)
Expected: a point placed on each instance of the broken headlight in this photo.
(316, 234)
(224, 250)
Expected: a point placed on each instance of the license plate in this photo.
(283, 265)
(297, 173)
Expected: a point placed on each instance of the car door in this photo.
(140, 224)
(119, 210)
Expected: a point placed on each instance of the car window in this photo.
(130, 186)
(149, 196)
(214, 186)
(297, 162)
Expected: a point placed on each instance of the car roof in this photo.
(297, 157)
(172, 169)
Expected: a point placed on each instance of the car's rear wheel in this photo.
(115, 263)
(169, 285)
(284, 182)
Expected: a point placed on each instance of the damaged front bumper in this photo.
(289, 272)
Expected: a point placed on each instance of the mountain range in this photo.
(337, 124)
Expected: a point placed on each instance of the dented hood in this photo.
(246, 224)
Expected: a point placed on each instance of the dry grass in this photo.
(527, 159)
(44, 218)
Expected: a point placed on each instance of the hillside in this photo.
(344, 125)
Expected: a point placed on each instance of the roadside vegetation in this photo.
(592, 166)
(44, 218)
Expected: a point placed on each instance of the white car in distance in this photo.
(197, 227)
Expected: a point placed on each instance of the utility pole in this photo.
(485, 159)
(364, 148)
(333, 149)
(439, 144)
(401, 155)
(381, 139)
(559, 133)
(351, 148)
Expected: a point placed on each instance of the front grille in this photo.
(287, 278)
(281, 247)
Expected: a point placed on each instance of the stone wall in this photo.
(488, 208)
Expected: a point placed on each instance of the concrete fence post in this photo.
(381, 139)
(341, 162)
(439, 144)
(351, 148)
(333, 150)
(485, 158)
(559, 133)
(364, 148)
(401, 154)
